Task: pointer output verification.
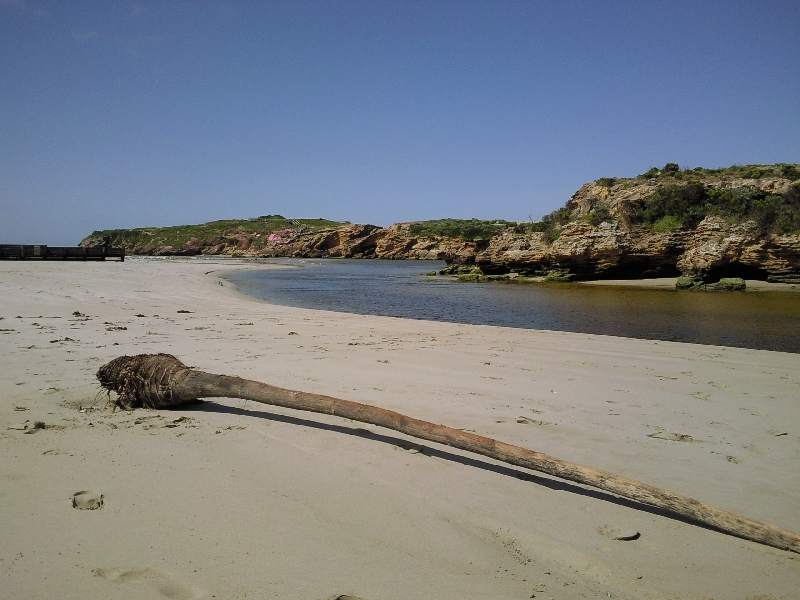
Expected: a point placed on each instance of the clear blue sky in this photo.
(132, 114)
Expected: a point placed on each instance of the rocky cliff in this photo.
(702, 224)
(360, 241)
(275, 236)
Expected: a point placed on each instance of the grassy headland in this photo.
(683, 198)
(252, 234)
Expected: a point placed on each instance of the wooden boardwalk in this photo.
(32, 252)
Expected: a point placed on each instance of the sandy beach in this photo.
(231, 499)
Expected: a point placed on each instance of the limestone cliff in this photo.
(702, 224)
(360, 241)
(274, 236)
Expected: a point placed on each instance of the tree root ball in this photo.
(145, 380)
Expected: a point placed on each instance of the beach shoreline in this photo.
(228, 499)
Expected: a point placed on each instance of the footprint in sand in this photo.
(87, 500)
(753, 412)
(152, 579)
(345, 597)
(619, 534)
(755, 449)
(672, 436)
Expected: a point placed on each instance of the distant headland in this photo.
(700, 224)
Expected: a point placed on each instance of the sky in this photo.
(135, 114)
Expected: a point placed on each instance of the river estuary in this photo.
(760, 320)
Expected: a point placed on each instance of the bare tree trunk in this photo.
(175, 383)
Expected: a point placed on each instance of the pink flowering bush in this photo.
(276, 236)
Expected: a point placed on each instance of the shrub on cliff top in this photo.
(791, 172)
(685, 203)
(552, 224)
(672, 206)
(207, 234)
(599, 214)
(467, 230)
(671, 170)
(654, 172)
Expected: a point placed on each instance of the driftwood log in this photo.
(161, 380)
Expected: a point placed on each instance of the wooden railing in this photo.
(41, 252)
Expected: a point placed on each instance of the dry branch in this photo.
(161, 380)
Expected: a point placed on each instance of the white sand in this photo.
(241, 500)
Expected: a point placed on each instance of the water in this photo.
(768, 320)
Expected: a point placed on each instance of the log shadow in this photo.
(477, 463)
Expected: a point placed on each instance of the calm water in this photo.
(768, 320)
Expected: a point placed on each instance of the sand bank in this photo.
(235, 500)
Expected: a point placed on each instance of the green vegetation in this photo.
(791, 172)
(559, 277)
(726, 284)
(599, 214)
(550, 225)
(673, 206)
(455, 269)
(667, 223)
(672, 171)
(468, 230)
(244, 233)
(685, 204)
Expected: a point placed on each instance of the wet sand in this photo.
(231, 499)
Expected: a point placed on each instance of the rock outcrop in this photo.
(599, 234)
(343, 241)
(365, 241)
(741, 222)
(713, 250)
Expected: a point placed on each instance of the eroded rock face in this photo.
(363, 241)
(586, 251)
(522, 253)
(718, 249)
(715, 249)
(346, 241)
(777, 256)
(619, 248)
